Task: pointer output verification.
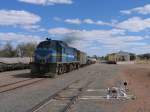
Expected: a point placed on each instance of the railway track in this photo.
(19, 84)
(56, 97)
(74, 99)
(4, 85)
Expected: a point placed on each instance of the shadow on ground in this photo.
(28, 75)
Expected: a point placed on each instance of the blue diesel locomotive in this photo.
(53, 57)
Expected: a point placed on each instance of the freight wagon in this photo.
(53, 57)
(7, 64)
(91, 61)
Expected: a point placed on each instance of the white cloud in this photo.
(22, 19)
(88, 21)
(34, 28)
(141, 10)
(57, 19)
(60, 31)
(18, 37)
(105, 39)
(85, 33)
(78, 21)
(134, 24)
(73, 21)
(99, 22)
(145, 48)
(104, 23)
(104, 36)
(47, 2)
(13, 17)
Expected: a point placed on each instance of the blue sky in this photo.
(94, 26)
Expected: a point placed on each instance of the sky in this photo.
(97, 27)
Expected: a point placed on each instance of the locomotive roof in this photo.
(49, 41)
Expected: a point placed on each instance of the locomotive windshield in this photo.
(45, 44)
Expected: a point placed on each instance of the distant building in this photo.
(120, 56)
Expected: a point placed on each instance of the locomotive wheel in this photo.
(78, 66)
(60, 70)
(71, 67)
(67, 68)
(57, 70)
(64, 69)
(75, 67)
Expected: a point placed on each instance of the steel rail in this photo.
(19, 84)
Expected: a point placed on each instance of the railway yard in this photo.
(83, 90)
(74, 56)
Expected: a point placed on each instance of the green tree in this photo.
(8, 50)
(26, 49)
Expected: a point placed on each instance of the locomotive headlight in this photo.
(38, 56)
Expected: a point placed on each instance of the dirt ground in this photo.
(138, 78)
(102, 76)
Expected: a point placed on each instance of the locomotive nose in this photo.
(45, 56)
(41, 55)
(42, 52)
